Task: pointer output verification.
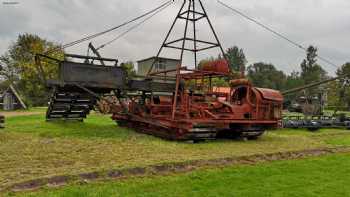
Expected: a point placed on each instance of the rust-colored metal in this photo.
(205, 113)
(218, 66)
(194, 110)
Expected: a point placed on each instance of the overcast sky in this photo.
(324, 23)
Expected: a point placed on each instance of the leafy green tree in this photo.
(333, 96)
(344, 70)
(293, 81)
(340, 93)
(236, 58)
(129, 67)
(220, 82)
(310, 70)
(8, 71)
(266, 76)
(20, 66)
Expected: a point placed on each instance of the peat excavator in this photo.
(191, 109)
(177, 104)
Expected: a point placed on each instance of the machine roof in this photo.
(270, 94)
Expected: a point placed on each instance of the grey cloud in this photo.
(12, 21)
(320, 22)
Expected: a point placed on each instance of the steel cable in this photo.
(274, 32)
(110, 29)
(134, 27)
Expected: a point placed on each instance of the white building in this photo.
(162, 64)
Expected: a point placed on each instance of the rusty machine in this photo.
(197, 111)
(177, 104)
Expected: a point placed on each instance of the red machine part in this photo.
(218, 66)
(193, 110)
(272, 95)
(242, 111)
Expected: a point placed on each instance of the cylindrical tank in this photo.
(219, 66)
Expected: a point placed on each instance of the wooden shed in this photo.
(10, 100)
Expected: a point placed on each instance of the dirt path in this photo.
(19, 113)
(166, 169)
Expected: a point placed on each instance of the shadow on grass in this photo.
(94, 126)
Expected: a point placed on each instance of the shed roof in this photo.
(161, 58)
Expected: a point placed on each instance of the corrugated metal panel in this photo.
(92, 75)
(270, 94)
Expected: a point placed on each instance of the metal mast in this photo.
(191, 13)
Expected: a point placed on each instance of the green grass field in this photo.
(316, 177)
(31, 148)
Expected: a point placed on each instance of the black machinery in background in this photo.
(85, 80)
(312, 108)
(79, 85)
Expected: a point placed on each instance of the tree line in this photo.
(266, 75)
(18, 66)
